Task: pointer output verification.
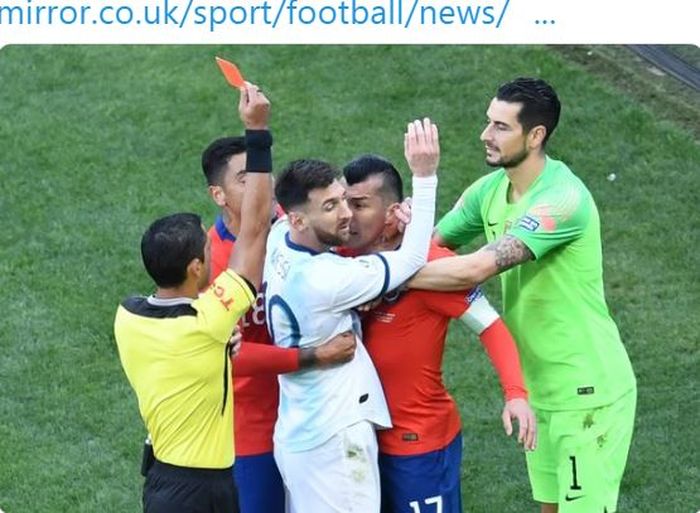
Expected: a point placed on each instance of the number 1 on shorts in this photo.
(574, 484)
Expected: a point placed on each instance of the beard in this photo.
(331, 239)
(510, 162)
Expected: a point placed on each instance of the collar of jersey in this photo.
(298, 247)
(173, 301)
(224, 233)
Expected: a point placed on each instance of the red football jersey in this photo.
(255, 398)
(405, 336)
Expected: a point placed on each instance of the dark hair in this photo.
(540, 103)
(364, 166)
(215, 158)
(169, 245)
(299, 178)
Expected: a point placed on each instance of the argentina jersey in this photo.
(309, 298)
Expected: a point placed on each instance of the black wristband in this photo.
(258, 144)
(307, 357)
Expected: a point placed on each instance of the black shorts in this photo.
(172, 489)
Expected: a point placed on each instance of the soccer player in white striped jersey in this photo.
(325, 444)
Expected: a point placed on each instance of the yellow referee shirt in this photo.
(174, 354)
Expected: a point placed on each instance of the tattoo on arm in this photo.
(510, 251)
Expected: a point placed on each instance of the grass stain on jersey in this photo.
(602, 439)
(357, 457)
(355, 452)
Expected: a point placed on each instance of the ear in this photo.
(217, 194)
(390, 216)
(297, 220)
(536, 136)
(391, 222)
(194, 270)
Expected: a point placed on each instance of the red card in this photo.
(231, 73)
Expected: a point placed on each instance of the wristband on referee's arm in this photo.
(258, 145)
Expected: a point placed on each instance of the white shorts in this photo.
(339, 476)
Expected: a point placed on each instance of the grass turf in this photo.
(98, 141)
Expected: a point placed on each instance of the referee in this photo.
(173, 344)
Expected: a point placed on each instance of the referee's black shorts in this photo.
(172, 489)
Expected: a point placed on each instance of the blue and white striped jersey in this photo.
(309, 298)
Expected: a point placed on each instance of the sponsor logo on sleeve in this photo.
(528, 223)
(474, 294)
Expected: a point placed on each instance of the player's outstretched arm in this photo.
(247, 260)
(339, 349)
(467, 271)
(263, 359)
(422, 152)
(367, 277)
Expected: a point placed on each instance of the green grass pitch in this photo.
(95, 142)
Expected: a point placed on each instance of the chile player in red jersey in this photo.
(419, 458)
(255, 368)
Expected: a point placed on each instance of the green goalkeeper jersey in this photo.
(570, 347)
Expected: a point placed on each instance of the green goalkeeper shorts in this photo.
(581, 456)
